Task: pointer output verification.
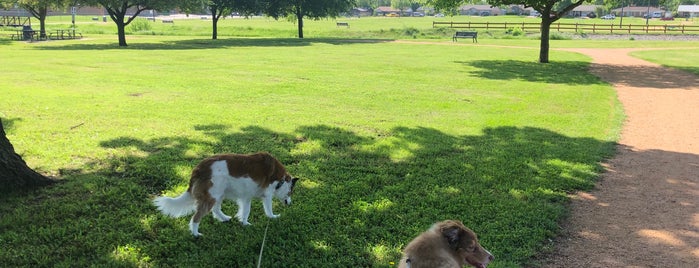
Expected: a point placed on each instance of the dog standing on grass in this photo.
(448, 244)
(230, 176)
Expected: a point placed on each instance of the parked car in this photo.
(439, 15)
(608, 17)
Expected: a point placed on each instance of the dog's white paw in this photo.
(224, 218)
(274, 216)
(245, 223)
(197, 235)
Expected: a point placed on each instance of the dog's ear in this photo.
(293, 181)
(453, 235)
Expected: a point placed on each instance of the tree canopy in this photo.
(39, 9)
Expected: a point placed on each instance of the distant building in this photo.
(688, 11)
(521, 10)
(480, 10)
(385, 11)
(583, 11)
(635, 11)
(361, 12)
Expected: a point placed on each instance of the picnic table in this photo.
(64, 34)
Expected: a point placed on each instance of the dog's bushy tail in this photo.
(176, 206)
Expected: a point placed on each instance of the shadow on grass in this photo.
(219, 43)
(555, 72)
(692, 70)
(360, 199)
(9, 123)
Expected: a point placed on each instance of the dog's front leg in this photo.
(267, 205)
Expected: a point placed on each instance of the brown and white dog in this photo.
(447, 244)
(230, 176)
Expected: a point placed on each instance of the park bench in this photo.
(345, 24)
(473, 35)
(168, 21)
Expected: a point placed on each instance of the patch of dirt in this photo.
(644, 211)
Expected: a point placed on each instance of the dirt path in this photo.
(644, 211)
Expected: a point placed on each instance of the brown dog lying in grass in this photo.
(447, 244)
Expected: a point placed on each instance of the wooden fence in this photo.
(575, 27)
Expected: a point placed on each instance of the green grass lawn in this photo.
(684, 59)
(364, 27)
(387, 137)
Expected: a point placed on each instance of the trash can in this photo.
(27, 32)
(104, 18)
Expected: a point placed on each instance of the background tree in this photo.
(118, 10)
(14, 172)
(401, 5)
(222, 8)
(314, 9)
(39, 9)
(550, 10)
(218, 9)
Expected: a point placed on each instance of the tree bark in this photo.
(545, 37)
(215, 15)
(121, 32)
(14, 172)
(299, 18)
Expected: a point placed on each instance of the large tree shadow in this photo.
(357, 192)
(528, 71)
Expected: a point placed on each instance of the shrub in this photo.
(140, 25)
(515, 31)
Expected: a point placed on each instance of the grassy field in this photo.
(364, 27)
(388, 137)
(684, 59)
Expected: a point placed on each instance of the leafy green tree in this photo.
(220, 8)
(373, 3)
(4, 4)
(39, 9)
(313, 9)
(123, 12)
(550, 10)
(401, 4)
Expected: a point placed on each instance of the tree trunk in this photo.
(42, 22)
(214, 34)
(14, 172)
(214, 20)
(121, 32)
(299, 17)
(544, 47)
